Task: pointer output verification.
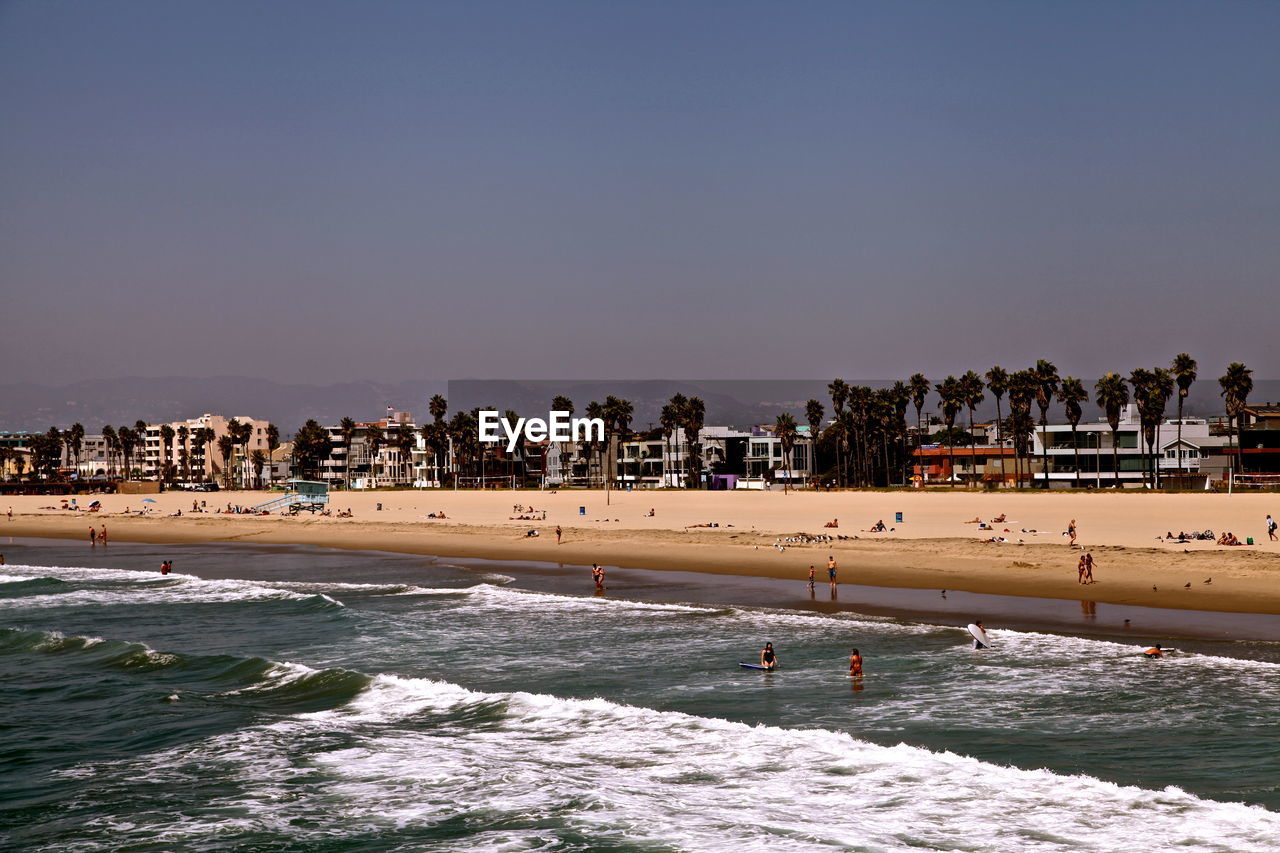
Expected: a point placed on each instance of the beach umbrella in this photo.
(148, 500)
(95, 503)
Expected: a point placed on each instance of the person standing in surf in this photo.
(166, 567)
(812, 579)
(855, 663)
(768, 659)
(597, 575)
(831, 570)
(93, 536)
(978, 644)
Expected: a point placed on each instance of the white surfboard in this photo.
(979, 636)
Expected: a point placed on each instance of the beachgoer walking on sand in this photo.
(11, 514)
(1080, 570)
(855, 663)
(1271, 526)
(1088, 567)
(559, 533)
(1071, 532)
(831, 570)
(93, 535)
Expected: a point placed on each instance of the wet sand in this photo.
(934, 548)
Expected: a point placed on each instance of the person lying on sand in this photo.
(835, 522)
(999, 519)
(974, 520)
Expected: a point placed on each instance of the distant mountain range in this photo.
(730, 402)
(744, 402)
(160, 400)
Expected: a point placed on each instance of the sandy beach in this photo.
(935, 546)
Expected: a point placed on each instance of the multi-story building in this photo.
(1099, 453)
(195, 462)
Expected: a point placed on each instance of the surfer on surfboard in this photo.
(1154, 652)
(979, 634)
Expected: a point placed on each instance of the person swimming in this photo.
(1154, 652)
(768, 659)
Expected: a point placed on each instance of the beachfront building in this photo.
(1097, 468)
(985, 463)
(359, 467)
(191, 461)
(765, 463)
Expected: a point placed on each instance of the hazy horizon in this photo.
(319, 192)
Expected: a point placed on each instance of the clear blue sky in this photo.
(540, 189)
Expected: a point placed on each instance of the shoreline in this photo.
(935, 549)
(1193, 630)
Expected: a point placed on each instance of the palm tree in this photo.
(919, 388)
(949, 395)
(1184, 371)
(970, 389)
(1022, 393)
(128, 440)
(273, 443)
(1071, 395)
(226, 447)
(1112, 395)
(839, 391)
(1046, 376)
(259, 461)
(695, 415)
(899, 397)
(998, 383)
(204, 437)
(75, 442)
(438, 406)
(112, 441)
(813, 413)
(784, 429)
(1162, 385)
(596, 410)
(1237, 384)
(184, 456)
(860, 412)
(347, 430)
(374, 439)
(617, 421)
(668, 422)
(166, 442)
(140, 440)
(405, 441)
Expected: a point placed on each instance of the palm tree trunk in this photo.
(1115, 460)
(1000, 442)
(1075, 444)
(1044, 447)
(1180, 431)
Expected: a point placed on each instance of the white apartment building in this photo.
(194, 462)
(1096, 458)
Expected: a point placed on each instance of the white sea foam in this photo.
(123, 586)
(414, 755)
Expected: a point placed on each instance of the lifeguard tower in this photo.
(299, 495)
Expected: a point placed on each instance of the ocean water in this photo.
(396, 703)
